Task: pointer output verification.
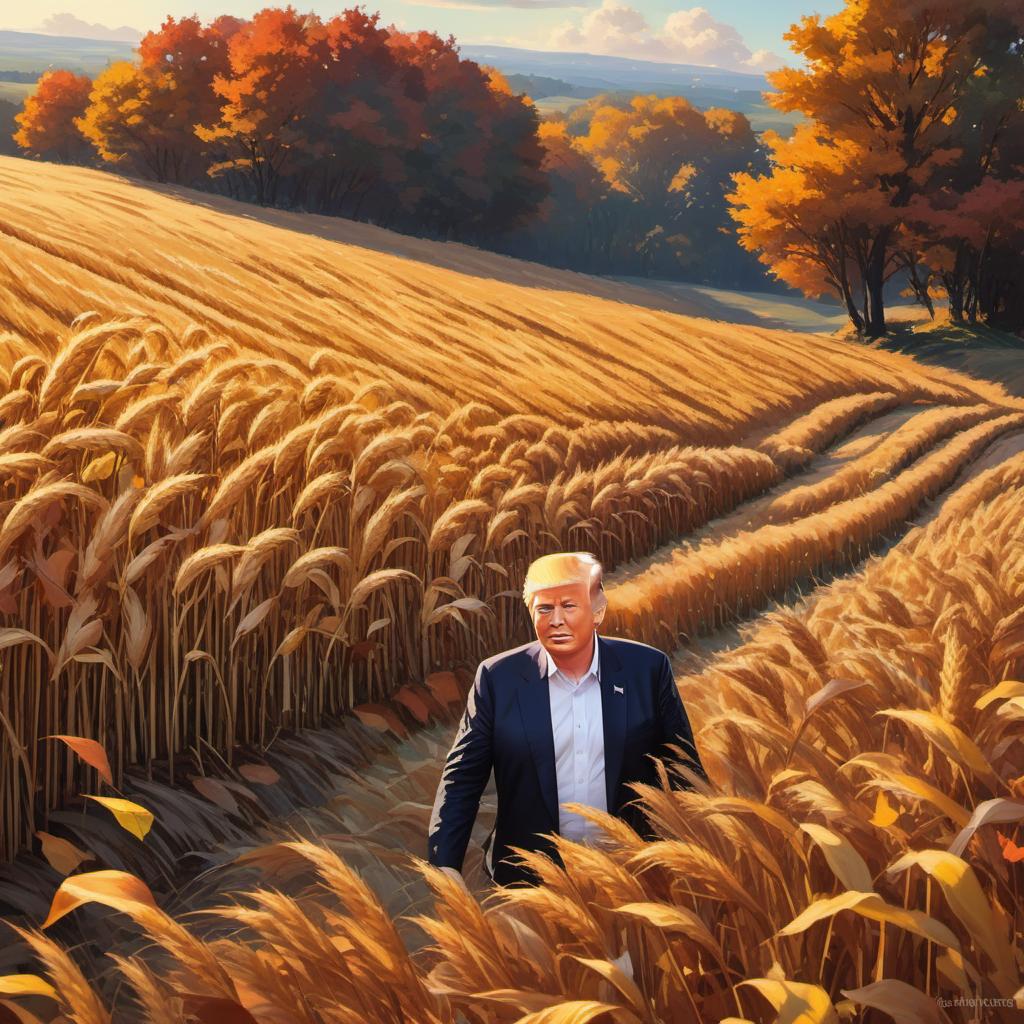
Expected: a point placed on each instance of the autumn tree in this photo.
(576, 224)
(968, 222)
(673, 162)
(47, 123)
(886, 84)
(513, 162)
(809, 244)
(476, 163)
(367, 118)
(277, 65)
(142, 114)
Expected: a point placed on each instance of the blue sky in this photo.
(742, 34)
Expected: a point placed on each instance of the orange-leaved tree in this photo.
(278, 67)
(46, 125)
(575, 225)
(142, 114)
(673, 161)
(477, 160)
(815, 245)
(886, 84)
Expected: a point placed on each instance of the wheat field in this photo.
(259, 470)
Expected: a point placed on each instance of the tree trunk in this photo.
(874, 282)
(851, 308)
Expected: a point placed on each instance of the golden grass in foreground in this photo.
(846, 854)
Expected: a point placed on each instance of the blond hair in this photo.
(564, 567)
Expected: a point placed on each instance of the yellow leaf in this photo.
(116, 889)
(950, 739)
(63, 856)
(872, 906)
(967, 900)
(885, 814)
(131, 817)
(1007, 688)
(100, 468)
(796, 1002)
(26, 985)
(846, 863)
(892, 777)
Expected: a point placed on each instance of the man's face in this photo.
(564, 618)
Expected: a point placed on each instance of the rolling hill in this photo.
(442, 323)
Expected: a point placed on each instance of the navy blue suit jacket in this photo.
(507, 726)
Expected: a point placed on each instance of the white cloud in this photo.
(66, 24)
(688, 36)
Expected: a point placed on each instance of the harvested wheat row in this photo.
(693, 590)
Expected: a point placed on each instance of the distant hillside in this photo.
(33, 51)
(588, 74)
(539, 87)
(602, 72)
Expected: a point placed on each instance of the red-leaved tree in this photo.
(46, 125)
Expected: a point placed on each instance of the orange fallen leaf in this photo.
(1011, 851)
(381, 717)
(91, 753)
(62, 855)
(420, 706)
(116, 889)
(445, 687)
(215, 792)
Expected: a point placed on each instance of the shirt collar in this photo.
(594, 662)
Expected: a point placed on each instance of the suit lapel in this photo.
(535, 705)
(614, 705)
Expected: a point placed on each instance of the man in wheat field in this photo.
(570, 716)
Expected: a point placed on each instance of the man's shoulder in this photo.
(514, 657)
(635, 652)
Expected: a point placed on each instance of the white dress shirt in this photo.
(578, 730)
